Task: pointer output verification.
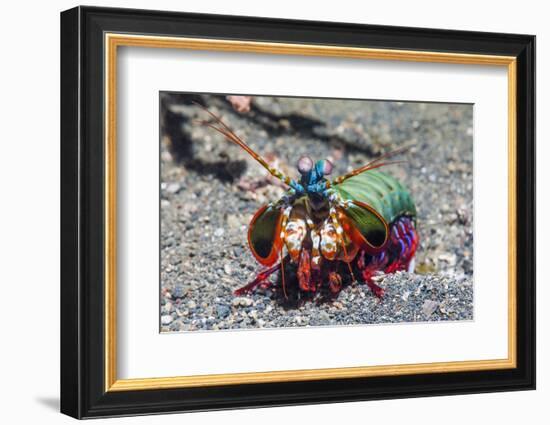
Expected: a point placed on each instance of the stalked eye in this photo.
(305, 164)
(327, 167)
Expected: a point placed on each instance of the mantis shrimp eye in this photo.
(327, 167)
(305, 164)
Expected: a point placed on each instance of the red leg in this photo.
(304, 271)
(377, 290)
(367, 273)
(334, 282)
(261, 279)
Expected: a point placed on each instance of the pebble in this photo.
(241, 302)
(429, 307)
(448, 258)
(179, 292)
(223, 311)
(233, 221)
(166, 320)
(173, 188)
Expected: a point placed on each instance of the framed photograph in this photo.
(261, 212)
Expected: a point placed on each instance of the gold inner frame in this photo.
(113, 41)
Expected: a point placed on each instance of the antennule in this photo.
(372, 165)
(226, 131)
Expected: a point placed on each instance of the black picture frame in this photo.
(83, 392)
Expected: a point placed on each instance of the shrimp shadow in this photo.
(179, 109)
(299, 125)
(175, 126)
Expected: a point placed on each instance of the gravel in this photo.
(210, 189)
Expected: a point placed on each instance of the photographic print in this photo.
(254, 215)
(280, 212)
